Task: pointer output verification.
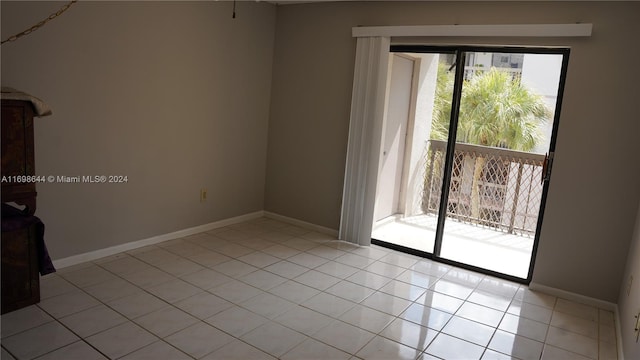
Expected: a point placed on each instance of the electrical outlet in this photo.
(629, 286)
(203, 195)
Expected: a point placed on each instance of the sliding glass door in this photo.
(487, 147)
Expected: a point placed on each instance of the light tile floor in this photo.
(264, 289)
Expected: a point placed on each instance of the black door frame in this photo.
(460, 54)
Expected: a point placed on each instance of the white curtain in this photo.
(365, 134)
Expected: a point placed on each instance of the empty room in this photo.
(320, 180)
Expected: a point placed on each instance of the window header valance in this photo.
(514, 30)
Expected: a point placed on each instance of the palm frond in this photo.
(495, 110)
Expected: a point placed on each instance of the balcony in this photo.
(490, 187)
(492, 212)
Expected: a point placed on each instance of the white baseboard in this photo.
(300, 223)
(385, 221)
(606, 305)
(97, 254)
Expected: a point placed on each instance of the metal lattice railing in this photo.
(471, 71)
(490, 187)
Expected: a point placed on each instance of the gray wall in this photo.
(593, 193)
(629, 298)
(173, 95)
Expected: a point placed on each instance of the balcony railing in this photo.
(471, 71)
(490, 187)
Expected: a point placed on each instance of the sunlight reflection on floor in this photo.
(493, 250)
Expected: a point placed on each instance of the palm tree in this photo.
(495, 110)
(502, 112)
(442, 103)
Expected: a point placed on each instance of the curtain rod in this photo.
(507, 30)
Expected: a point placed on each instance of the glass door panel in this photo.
(414, 148)
(504, 130)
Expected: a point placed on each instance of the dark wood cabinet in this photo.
(20, 277)
(17, 153)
